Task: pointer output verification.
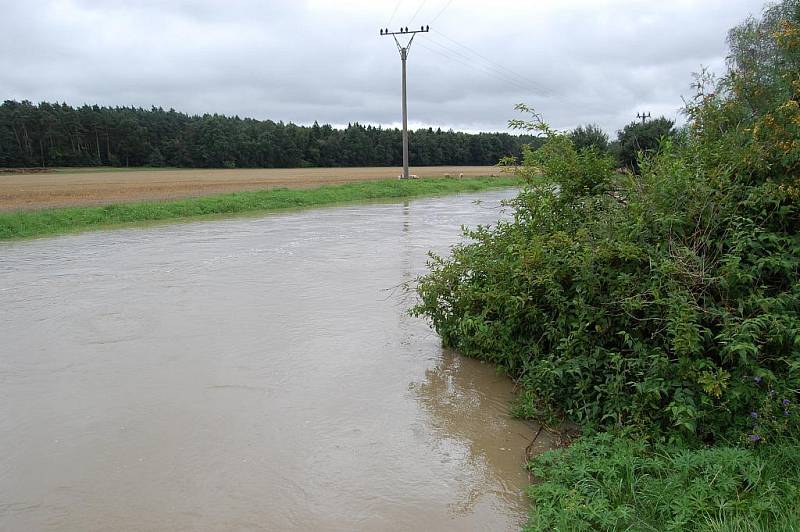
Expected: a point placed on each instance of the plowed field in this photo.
(64, 188)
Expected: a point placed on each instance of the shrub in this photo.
(665, 301)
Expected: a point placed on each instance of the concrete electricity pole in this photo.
(403, 57)
(643, 116)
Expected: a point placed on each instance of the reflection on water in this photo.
(248, 374)
(467, 403)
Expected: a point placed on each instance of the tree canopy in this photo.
(589, 136)
(641, 137)
(56, 134)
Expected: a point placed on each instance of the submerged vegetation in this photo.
(53, 221)
(658, 308)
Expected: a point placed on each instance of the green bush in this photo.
(664, 301)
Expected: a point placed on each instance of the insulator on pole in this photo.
(403, 57)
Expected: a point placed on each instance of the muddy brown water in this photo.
(249, 374)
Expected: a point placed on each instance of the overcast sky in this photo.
(576, 61)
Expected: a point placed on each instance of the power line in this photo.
(421, 5)
(451, 50)
(482, 68)
(439, 14)
(394, 12)
(449, 54)
(468, 61)
(496, 68)
(494, 63)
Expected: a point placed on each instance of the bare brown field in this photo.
(94, 187)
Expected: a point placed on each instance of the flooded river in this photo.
(248, 374)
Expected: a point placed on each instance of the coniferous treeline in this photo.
(53, 134)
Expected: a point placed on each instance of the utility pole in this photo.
(403, 57)
(643, 116)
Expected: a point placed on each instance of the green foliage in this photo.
(666, 300)
(761, 55)
(590, 136)
(59, 135)
(662, 304)
(638, 137)
(573, 170)
(614, 483)
(55, 221)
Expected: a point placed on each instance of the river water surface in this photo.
(248, 374)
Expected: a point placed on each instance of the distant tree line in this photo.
(56, 134)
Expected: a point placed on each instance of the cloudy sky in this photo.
(576, 61)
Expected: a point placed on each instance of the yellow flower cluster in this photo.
(792, 189)
(789, 35)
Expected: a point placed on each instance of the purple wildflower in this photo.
(786, 402)
(785, 412)
(754, 437)
(754, 415)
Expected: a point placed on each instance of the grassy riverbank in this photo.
(612, 482)
(23, 224)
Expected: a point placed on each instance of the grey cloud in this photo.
(576, 62)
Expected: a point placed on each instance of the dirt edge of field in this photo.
(23, 192)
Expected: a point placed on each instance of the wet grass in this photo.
(608, 482)
(25, 224)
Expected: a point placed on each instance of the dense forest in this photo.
(56, 134)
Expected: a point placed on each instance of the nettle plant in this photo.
(663, 302)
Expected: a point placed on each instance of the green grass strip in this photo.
(24, 224)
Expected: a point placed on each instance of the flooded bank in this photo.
(249, 374)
